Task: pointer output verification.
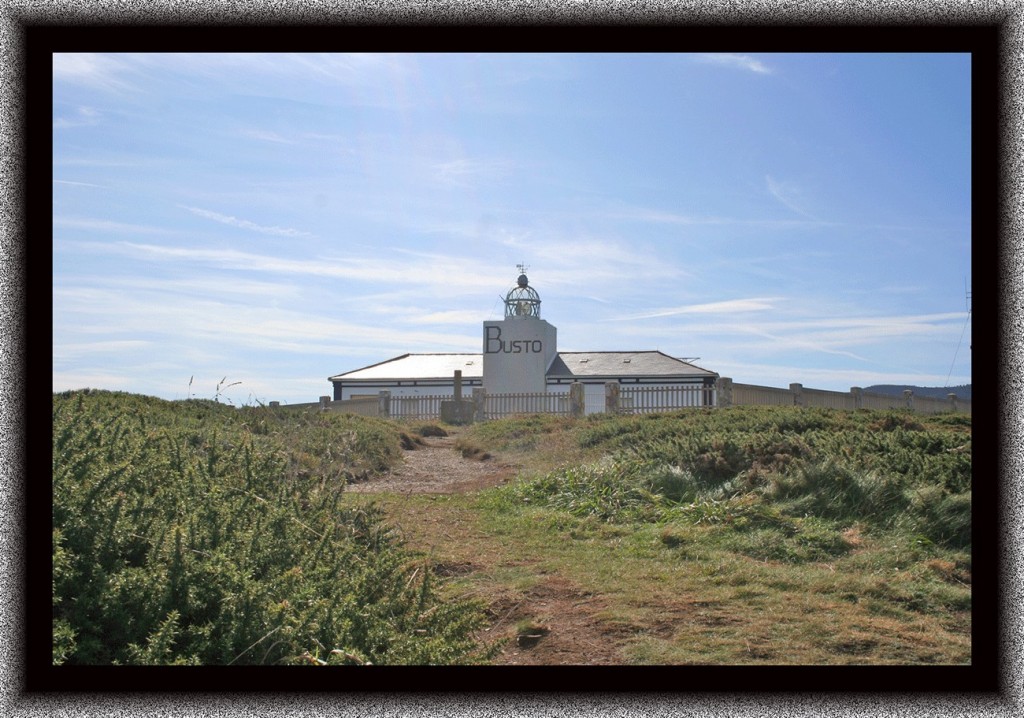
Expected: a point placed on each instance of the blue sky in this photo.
(276, 219)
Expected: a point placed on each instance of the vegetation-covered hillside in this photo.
(748, 534)
(196, 533)
(753, 466)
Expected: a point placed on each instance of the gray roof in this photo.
(565, 365)
(622, 364)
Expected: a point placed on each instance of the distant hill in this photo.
(963, 391)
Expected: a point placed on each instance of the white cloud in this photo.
(731, 306)
(226, 329)
(789, 194)
(84, 117)
(104, 225)
(80, 184)
(267, 136)
(419, 272)
(793, 342)
(466, 172)
(741, 62)
(94, 70)
(778, 333)
(119, 346)
(246, 224)
(71, 380)
(210, 286)
(658, 216)
(464, 318)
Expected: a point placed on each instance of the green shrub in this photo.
(614, 489)
(182, 536)
(862, 467)
(834, 490)
(943, 517)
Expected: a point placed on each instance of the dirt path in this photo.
(436, 467)
(550, 622)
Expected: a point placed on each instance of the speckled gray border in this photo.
(516, 702)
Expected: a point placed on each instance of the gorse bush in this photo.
(608, 490)
(195, 533)
(797, 476)
(834, 490)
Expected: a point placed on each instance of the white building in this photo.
(520, 355)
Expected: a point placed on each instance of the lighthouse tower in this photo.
(518, 349)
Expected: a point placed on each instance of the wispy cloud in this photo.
(740, 62)
(267, 136)
(404, 269)
(71, 380)
(464, 172)
(731, 306)
(580, 259)
(104, 225)
(839, 336)
(789, 194)
(80, 184)
(83, 117)
(201, 286)
(727, 326)
(246, 224)
(796, 342)
(658, 216)
(463, 318)
(99, 71)
(232, 327)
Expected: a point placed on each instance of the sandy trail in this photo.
(437, 468)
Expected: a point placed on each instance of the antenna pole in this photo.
(962, 331)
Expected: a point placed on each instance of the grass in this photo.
(746, 536)
(687, 596)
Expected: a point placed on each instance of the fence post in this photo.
(384, 403)
(908, 397)
(576, 401)
(479, 400)
(325, 401)
(723, 390)
(952, 402)
(798, 394)
(858, 397)
(611, 397)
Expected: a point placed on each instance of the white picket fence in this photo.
(497, 406)
(650, 399)
(417, 407)
(629, 399)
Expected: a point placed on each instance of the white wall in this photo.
(444, 390)
(517, 352)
